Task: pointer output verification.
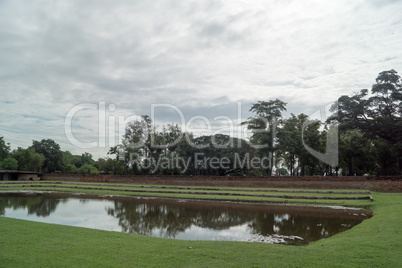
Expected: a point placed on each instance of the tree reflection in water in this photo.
(174, 218)
(145, 218)
(170, 220)
(310, 228)
(39, 205)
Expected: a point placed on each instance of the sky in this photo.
(78, 71)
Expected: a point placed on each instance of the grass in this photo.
(231, 188)
(273, 195)
(376, 242)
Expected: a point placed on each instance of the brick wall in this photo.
(391, 183)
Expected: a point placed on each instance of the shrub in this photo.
(88, 169)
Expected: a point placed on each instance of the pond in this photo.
(183, 219)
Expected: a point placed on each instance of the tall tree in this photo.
(135, 144)
(355, 153)
(290, 145)
(378, 115)
(268, 115)
(53, 155)
(4, 149)
(292, 137)
(28, 159)
(86, 158)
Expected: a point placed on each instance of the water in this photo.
(180, 219)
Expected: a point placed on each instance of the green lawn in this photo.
(377, 242)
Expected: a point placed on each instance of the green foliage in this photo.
(70, 168)
(86, 158)
(355, 153)
(263, 127)
(222, 155)
(377, 116)
(28, 159)
(4, 149)
(77, 160)
(88, 169)
(67, 157)
(282, 171)
(53, 155)
(291, 148)
(110, 166)
(9, 163)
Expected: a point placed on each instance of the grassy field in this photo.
(377, 242)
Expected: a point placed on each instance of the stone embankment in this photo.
(385, 183)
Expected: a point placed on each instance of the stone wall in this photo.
(28, 177)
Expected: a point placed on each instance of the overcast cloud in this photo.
(203, 57)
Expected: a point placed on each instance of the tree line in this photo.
(368, 137)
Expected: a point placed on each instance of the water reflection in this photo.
(183, 220)
(145, 218)
(35, 204)
(310, 228)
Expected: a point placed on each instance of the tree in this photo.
(383, 156)
(376, 116)
(355, 153)
(53, 155)
(136, 142)
(70, 168)
(86, 158)
(290, 145)
(28, 159)
(222, 155)
(4, 149)
(294, 133)
(263, 127)
(144, 147)
(111, 166)
(9, 163)
(69, 158)
(88, 169)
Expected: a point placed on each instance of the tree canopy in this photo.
(52, 153)
(377, 116)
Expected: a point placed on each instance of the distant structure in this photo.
(15, 175)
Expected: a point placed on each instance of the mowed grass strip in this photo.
(192, 187)
(167, 188)
(374, 243)
(210, 191)
(198, 196)
(229, 188)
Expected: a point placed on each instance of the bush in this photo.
(88, 169)
(282, 171)
(70, 168)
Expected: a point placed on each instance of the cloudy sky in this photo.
(76, 62)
